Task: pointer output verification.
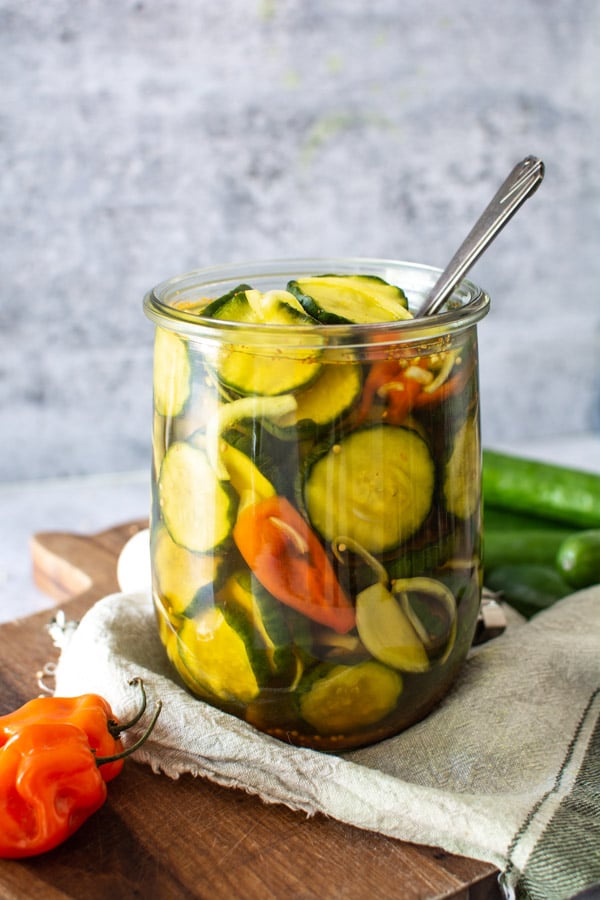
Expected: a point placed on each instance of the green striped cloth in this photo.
(506, 769)
(556, 851)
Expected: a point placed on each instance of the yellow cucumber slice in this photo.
(198, 510)
(326, 400)
(462, 481)
(358, 299)
(266, 617)
(171, 373)
(245, 477)
(275, 368)
(231, 413)
(179, 573)
(218, 658)
(375, 486)
(349, 698)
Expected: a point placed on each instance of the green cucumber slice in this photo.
(346, 299)
(348, 698)
(253, 369)
(323, 403)
(198, 510)
(375, 486)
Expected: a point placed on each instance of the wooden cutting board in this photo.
(158, 838)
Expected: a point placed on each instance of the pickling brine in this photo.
(316, 512)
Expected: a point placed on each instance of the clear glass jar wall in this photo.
(316, 521)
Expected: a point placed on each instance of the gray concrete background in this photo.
(143, 139)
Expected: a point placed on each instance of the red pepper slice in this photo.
(290, 562)
(401, 402)
(400, 391)
(380, 373)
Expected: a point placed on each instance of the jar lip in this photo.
(470, 302)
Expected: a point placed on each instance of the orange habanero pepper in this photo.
(51, 778)
(49, 785)
(89, 712)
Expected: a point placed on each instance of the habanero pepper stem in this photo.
(104, 760)
(115, 727)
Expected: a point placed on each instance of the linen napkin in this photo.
(506, 769)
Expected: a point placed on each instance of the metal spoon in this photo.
(524, 179)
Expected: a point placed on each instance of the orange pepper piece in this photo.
(388, 379)
(289, 561)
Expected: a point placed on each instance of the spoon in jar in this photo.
(524, 179)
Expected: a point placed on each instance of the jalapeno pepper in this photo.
(290, 562)
(51, 777)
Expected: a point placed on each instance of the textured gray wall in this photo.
(143, 139)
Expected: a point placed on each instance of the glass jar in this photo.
(316, 511)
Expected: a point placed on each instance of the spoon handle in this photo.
(524, 179)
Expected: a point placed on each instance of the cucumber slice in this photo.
(270, 305)
(255, 442)
(171, 373)
(348, 698)
(266, 616)
(211, 311)
(387, 632)
(346, 299)
(198, 510)
(245, 477)
(323, 403)
(218, 658)
(376, 486)
(179, 573)
(257, 370)
(462, 482)
(244, 304)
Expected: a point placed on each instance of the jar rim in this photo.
(466, 306)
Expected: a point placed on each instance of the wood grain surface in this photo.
(158, 838)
